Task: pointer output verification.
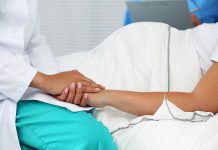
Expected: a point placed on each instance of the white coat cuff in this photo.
(21, 89)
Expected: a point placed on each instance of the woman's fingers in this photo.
(78, 95)
(71, 93)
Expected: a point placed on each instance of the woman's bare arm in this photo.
(204, 97)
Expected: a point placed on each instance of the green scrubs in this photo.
(47, 127)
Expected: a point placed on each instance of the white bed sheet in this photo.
(168, 135)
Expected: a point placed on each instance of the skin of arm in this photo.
(204, 97)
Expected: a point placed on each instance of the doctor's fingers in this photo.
(88, 89)
(89, 82)
(81, 77)
(71, 93)
(96, 85)
(92, 85)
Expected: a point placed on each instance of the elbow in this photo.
(206, 103)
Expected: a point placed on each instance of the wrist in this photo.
(39, 81)
(109, 100)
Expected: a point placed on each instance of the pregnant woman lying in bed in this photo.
(162, 64)
(203, 97)
(159, 62)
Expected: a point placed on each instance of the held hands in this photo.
(62, 86)
(74, 95)
(100, 99)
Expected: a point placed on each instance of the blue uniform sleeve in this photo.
(128, 18)
(205, 10)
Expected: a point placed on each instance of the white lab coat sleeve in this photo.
(15, 74)
(40, 54)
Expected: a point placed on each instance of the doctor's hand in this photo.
(57, 83)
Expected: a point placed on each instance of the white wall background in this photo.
(79, 25)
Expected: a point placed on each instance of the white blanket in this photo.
(147, 57)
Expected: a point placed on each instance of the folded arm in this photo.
(204, 97)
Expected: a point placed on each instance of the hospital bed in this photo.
(170, 133)
(160, 134)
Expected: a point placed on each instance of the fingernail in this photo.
(66, 91)
(79, 85)
(97, 89)
(73, 85)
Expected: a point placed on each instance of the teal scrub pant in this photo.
(47, 127)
